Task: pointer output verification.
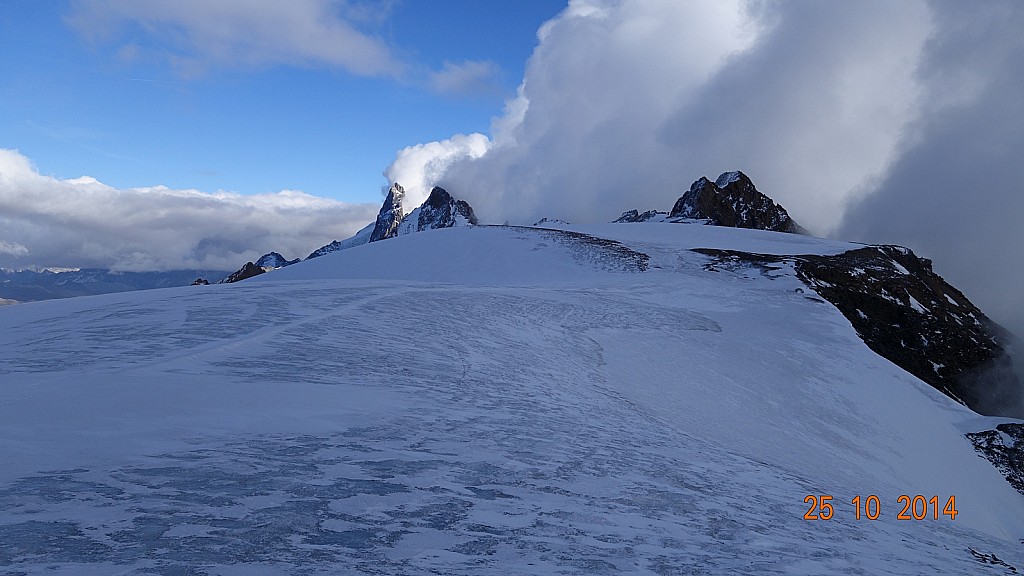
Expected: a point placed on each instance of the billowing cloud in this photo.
(624, 103)
(955, 189)
(80, 222)
(196, 35)
(875, 121)
(419, 167)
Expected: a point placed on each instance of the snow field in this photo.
(478, 401)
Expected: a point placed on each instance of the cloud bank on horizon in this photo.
(83, 223)
(871, 121)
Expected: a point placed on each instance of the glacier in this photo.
(484, 400)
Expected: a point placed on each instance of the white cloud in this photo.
(13, 248)
(624, 103)
(196, 35)
(884, 121)
(468, 78)
(953, 192)
(82, 222)
(418, 168)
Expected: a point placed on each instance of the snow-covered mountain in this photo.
(266, 263)
(361, 237)
(651, 398)
(439, 210)
(273, 261)
(391, 214)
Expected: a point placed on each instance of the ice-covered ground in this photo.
(482, 401)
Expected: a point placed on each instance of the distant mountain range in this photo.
(32, 285)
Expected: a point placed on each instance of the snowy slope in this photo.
(482, 400)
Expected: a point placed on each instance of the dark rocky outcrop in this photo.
(327, 249)
(630, 216)
(550, 222)
(391, 214)
(909, 315)
(439, 210)
(266, 263)
(248, 271)
(274, 260)
(733, 201)
(201, 282)
(1004, 448)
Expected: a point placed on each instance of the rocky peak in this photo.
(630, 216)
(733, 200)
(911, 316)
(550, 222)
(439, 210)
(248, 271)
(273, 260)
(391, 214)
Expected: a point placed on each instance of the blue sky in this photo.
(83, 95)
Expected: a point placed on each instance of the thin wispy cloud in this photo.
(195, 36)
(467, 78)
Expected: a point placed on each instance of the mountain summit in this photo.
(733, 200)
(439, 210)
(390, 215)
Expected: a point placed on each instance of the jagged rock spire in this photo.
(390, 215)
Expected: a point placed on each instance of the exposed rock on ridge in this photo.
(248, 271)
(732, 200)
(636, 216)
(360, 238)
(439, 210)
(273, 260)
(1004, 448)
(266, 263)
(390, 216)
(912, 317)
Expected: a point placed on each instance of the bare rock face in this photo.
(733, 201)
(274, 260)
(1004, 448)
(630, 216)
(248, 271)
(391, 214)
(439, 210)
(912, 317)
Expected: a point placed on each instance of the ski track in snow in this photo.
(500, 447)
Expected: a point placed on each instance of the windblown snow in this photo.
(483, 400)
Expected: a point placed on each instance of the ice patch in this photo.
(727, 178)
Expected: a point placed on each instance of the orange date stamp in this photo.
(917, 507)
